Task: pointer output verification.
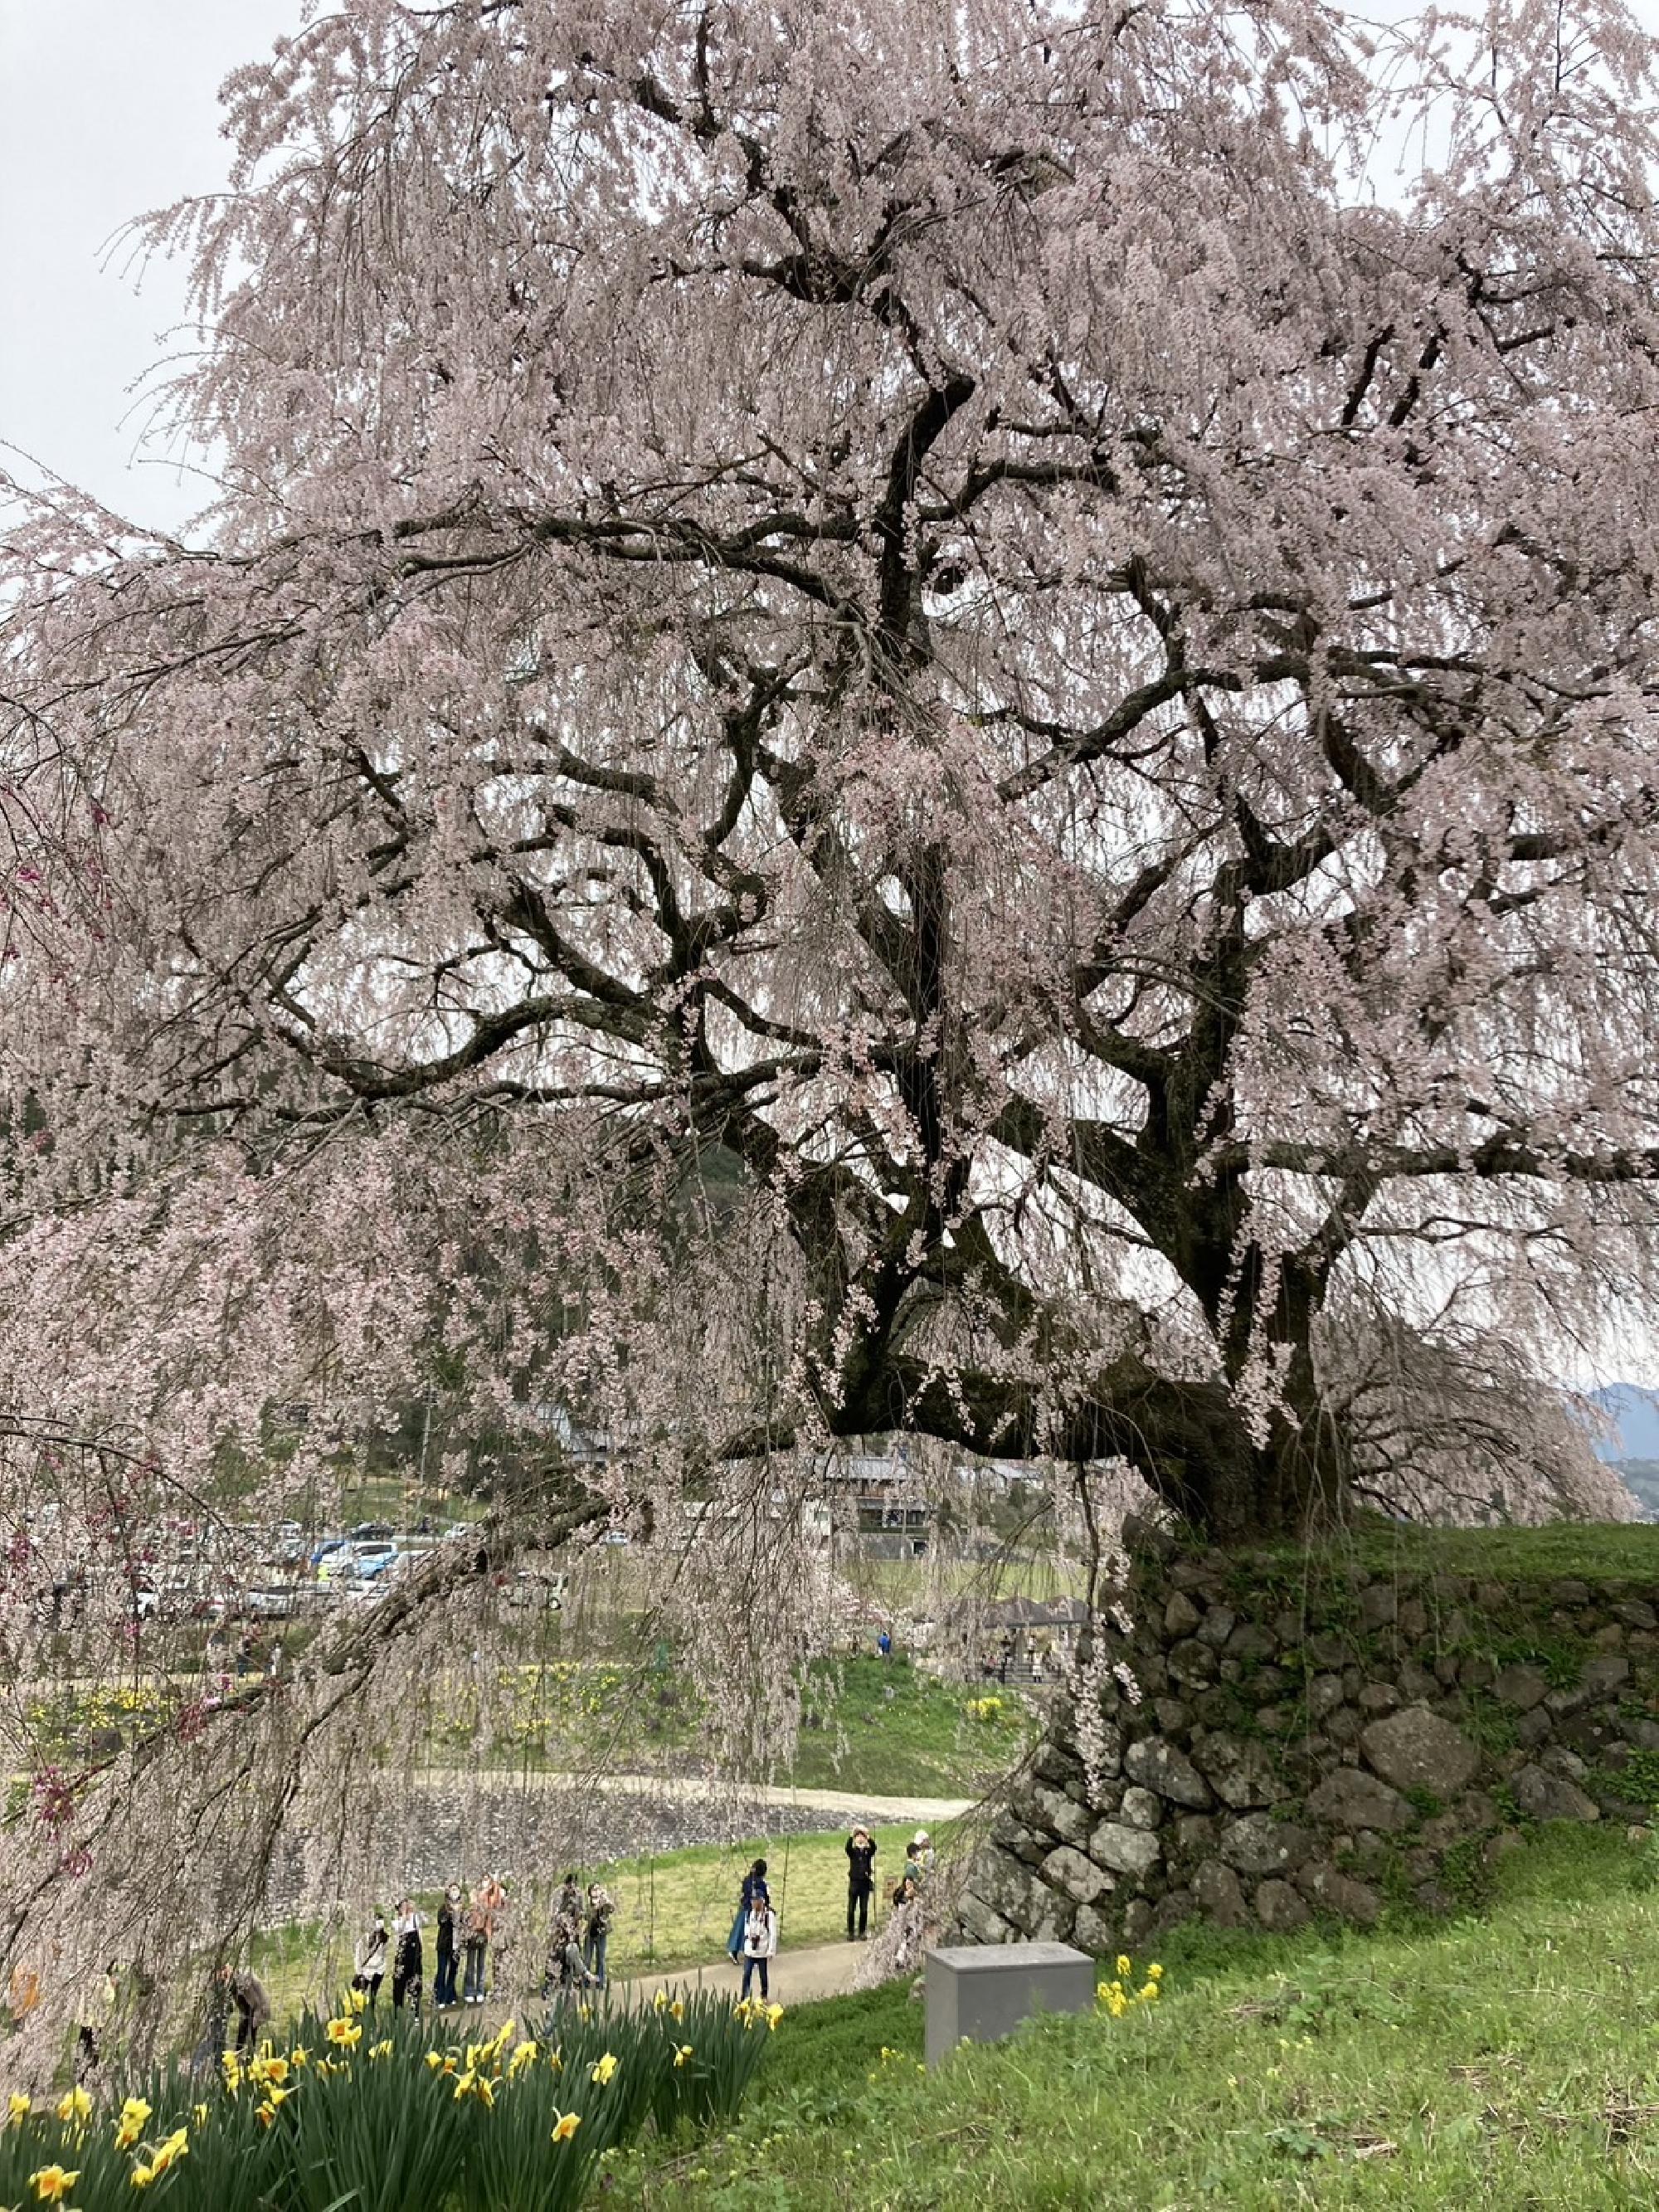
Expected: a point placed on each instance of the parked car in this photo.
(372, 1532)
(368, 1560)
(325, 1549)
(290, 1546)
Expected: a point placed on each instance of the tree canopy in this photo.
(897, 719)
(949, 607)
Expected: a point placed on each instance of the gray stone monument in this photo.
(980, 1992)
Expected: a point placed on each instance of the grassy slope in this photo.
(879, 1726)
(897, 1733)
(1507, 2061)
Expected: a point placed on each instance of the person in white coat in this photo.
(371, 1959)
(760, 1943)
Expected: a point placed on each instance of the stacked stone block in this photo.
(1318, 1738)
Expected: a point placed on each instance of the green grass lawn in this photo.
(884, 1727)
(1509, 2060)
(676, 1910)
(1593, 1550)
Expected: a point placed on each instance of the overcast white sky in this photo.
(106, 109)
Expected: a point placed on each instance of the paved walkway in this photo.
(821, 1970)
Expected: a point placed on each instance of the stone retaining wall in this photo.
(1320, 1736)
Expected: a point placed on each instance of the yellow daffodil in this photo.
(231, 2063)
(463, 2082)
(381, 2049)
(358, 2000)
(1148, 1992)
(485, 2092)
(434, 2059)
(142, 2176)
(555, 2059)
(682, 2054)
(135, 2112)
(201, 2112)
(267, 2069)
(1155, 1972)
(505, 2035)
(585, 2012)
(18, 2109)
(774, 2014)
(75, 2106)
(566, 2126)
(605, 2068)
(52, 2184)
(677, 2010)
(175, 2147)
(346, 2033)
(1125, 1965)
(660, 2001)
(523, 2056)
(299, 2056)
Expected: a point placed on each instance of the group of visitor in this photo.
(753, 1942)
(471, 1926)
(472, 1933)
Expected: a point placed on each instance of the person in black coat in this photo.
(443, 1989)
(861, 1880)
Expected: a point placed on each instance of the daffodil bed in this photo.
(384, 2118)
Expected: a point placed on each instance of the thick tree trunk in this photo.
(1189, 1440)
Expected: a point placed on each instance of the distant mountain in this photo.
(1636, 1411)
